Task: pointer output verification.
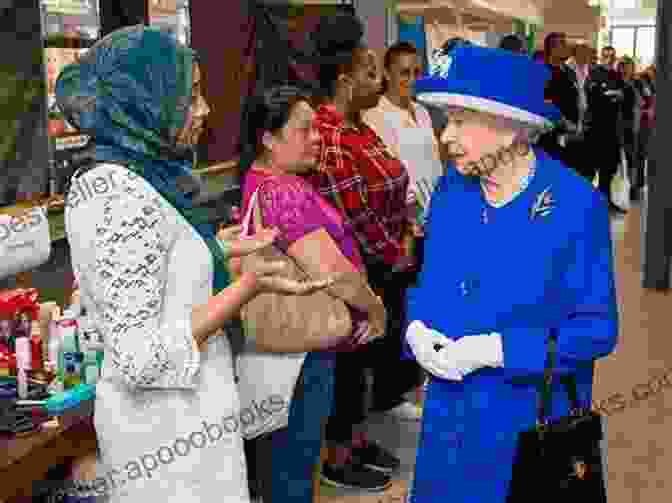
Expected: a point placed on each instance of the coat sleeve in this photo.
(590, 328)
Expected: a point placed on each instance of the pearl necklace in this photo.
(524, 184)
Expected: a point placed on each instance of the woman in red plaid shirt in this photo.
(369, 186)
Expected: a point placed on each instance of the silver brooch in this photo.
(543, 205)
(440, 65)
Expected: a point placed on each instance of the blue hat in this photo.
(493, 81)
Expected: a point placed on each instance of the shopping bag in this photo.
(25, 242)
(620, 185)
(266, 384)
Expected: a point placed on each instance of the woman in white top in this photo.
(152, 275)
(405, 126)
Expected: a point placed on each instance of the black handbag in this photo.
(559, 460)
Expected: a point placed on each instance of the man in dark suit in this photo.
(604, 131)
(562, 91)
(580, 150)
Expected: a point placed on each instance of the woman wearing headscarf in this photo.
(517, 247)
(152, 274)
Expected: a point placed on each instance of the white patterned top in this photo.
(141, 269)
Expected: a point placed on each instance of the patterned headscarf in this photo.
(131, 93)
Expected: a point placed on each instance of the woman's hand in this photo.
(241, 246)
(268, 278)
(377, 321)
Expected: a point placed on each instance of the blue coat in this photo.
(518, 276)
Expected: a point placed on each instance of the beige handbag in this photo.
(279, 323)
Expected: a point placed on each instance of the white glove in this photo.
(477, 351)
(422, 341)
(454, 359)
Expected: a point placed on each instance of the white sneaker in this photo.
(406, 411)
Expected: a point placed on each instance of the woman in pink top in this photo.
(316, 237)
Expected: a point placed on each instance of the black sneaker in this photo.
(354, 476)
(375, 457)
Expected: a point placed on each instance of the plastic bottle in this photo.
(54, 345)
(22, 341)
(70, 358)
(91, 371)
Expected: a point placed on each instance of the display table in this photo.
(26, 460)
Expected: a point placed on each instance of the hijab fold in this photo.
(131, 93)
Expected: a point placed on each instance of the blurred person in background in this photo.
(579, 148)
(561, 91)
(631, 120)
(605, 129)
(646, 87)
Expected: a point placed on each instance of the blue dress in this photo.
(525, 271)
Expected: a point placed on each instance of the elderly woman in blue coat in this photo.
(518, 247)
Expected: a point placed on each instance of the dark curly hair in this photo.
(336, 39)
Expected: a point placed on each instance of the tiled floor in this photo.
(639, 441)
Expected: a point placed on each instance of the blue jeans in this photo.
(286, 458)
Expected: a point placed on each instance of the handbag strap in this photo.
(247, 218)
(249, 226)
(568, 382)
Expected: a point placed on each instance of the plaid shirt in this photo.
(358, 175)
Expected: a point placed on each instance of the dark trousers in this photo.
(643, 140)
(281, 464)
(605, 153)
(633, 155)
(392, 376)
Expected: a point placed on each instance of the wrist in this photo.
(496, 357)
